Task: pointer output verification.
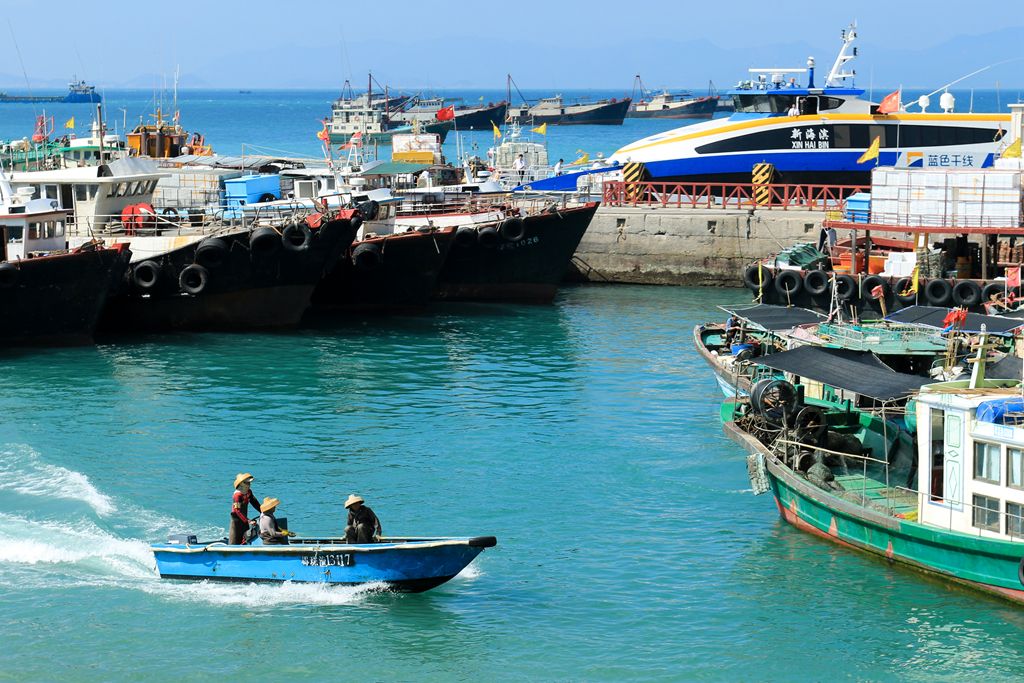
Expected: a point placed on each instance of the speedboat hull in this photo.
(404, 565)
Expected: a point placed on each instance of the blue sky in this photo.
(595, 44)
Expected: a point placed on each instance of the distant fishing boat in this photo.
(429, 110)
(555, 111)
(370, 119)
(669, 105)
(79, 92)
(943, 494)
(408, 565)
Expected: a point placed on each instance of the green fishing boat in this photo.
(936, 483)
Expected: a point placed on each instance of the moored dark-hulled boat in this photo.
(389, 273)
(553, 110)
(253, 278)
(519, 259)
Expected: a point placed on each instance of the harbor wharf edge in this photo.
(684, 245)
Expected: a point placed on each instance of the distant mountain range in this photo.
(598, 65)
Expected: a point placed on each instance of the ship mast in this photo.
(845, 54)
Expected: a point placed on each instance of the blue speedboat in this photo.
(403, 564)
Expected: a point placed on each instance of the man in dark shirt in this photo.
(362, 525)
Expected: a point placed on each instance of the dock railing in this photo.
(728, 195)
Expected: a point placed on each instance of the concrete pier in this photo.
(673, 246)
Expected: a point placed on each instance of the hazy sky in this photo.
(261, 43)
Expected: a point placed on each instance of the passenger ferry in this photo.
(812, 134)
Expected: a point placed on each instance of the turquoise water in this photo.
(583, 435)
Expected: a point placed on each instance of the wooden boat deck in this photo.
(900, 502)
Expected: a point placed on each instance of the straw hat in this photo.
(269, 504)
(244, 476)
(352, 500)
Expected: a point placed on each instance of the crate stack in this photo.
(963, 197)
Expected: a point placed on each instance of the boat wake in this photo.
(41, 549)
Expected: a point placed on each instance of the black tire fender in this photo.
(296, 237)
(146, 275)
(788, 283)
(757, 276)
(938, 292)
(816, 282)
(993, 288)
(171, 214)
(369, 209)
(212, 253)
(367, 256)
(193, 279)
(846, 288)
(967, 293)
(264, 242)
(512, 229)
(488, 236)
(267, 197)
(465, 236)
(869, 283)
(9, 275)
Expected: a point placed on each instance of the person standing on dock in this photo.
(240, 502)
(270, 532)
(519, 166)
(363, 525)
(558, 168)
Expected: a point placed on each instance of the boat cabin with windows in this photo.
(971, 458)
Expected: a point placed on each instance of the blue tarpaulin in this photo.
(995, 411)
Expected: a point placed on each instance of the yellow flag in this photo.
(70, 123)
(913, 283)
(872, 151)
(1013, 151)
(497, 133)
(542, 129)
(582, 160)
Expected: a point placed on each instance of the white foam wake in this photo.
(23, 471)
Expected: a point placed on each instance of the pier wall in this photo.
(673, 246)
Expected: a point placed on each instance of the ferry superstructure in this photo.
(812, 134)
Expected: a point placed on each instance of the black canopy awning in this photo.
(1007, 367)
(932, 316)
(773, 318)
(858, 371)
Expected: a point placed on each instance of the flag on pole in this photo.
(1013, 151)
(890, 103)
(1013, 277)
(912, 289)
(872, 151)
(446, 113)
(324, 135)
(582, 160)
(542, 129)
(497, 132)
(70, 124)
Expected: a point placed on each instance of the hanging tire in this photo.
(465, 236)
(902, 285)
(773, 394)
(9, 275)
(788, 283)
(264, 242)
(757, 277)
(367, 256)
(816, 282)
(846, 288)
(368, 209)
(993, 289)
(810, 424)
(488, 236)
(193, 279)
(967, 293)
(512, 229)
(212, 253)
(938, 292)
(296, 237)
(869, 284)
(355, 222)
(170, 213)
(146, 275)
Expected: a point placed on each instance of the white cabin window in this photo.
(51, 191)
(1015, 468)
(1014, 519)
(15, 234)
(986, 462)
(986, 513)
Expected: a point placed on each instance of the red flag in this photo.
(324, 134)
(890, 104)
(878, 292)
(446, 113)
(1013, 277)
(355, 141)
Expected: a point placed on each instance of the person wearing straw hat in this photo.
(240, 502)
(270, 532)
(363, 525)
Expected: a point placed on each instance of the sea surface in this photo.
(584, 435)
